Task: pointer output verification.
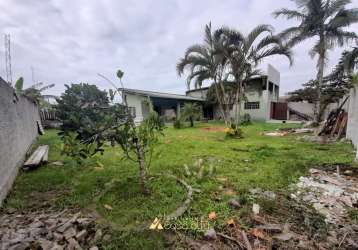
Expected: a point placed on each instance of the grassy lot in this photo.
(271, 163)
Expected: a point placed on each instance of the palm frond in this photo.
(36, 85)
(350, 59)
(289, 14)
(336, 6)
(46, 87)
(276, 50)
(256, 32)
(344, 18)
(267, 41)
(208, 34)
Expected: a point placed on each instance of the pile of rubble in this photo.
(48, 231)
(286, 131)
(330, 193)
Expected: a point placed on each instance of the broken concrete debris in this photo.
(285, 132)
(330, 194)
(48, 231)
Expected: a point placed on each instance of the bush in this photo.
(177, 124)
(233, 131)
(81, 108)
(246, 120)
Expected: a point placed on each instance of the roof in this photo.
(160, 95)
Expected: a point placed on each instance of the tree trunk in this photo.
(320, 65)
(238, 104)
(191, 121)
(221, 104)
(142, 169)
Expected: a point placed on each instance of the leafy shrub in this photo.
(177, 124)
(78, 150)
(81, 109)
(233, 131)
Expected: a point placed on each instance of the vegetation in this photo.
(271, 163)
(33, 92)
(325, 20)
(229, 59)
(90, 121)
(80, 109)
(177, 124)
(191, 112)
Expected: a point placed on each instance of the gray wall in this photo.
(18, 130)
(352, 126)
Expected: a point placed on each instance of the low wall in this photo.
(18, 130)
(352, 126)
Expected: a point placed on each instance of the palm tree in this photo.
(350, 59)
(229, 58)
(33, 92)
(244, 54)
(204, 63)
(324, 20)
(191, 112)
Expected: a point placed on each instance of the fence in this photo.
(18, 130)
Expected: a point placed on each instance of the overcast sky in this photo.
(71, 41)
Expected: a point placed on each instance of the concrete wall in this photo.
(18, 130)
(308, 108)
(352, 126)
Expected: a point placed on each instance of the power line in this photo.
(8, 59)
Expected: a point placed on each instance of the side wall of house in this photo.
(18, 130)
(136, 101)
(352, 127)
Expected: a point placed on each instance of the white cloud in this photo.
(71, 41)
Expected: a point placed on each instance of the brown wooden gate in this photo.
(279, 110)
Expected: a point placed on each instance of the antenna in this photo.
(8, 59)
(33, 75)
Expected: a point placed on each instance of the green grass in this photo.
(271, 163)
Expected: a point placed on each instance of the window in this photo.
(252, 105)
(132, 111)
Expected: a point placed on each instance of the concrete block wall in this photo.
(352, 126)
(18, 130)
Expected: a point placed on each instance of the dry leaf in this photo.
(212, 216)
(258, 233)
(231, 222)
(108, 207)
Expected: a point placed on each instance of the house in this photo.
(262, 95)
(165, 104)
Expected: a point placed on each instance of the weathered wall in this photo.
(352, 127)
(18, 130)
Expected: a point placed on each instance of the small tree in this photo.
(81, 108)
(191, 112)
(113, 123)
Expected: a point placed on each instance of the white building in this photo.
(262, 95)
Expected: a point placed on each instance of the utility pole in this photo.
(8, 59)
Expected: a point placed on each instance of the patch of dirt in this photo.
(43, 200)
(213, 129)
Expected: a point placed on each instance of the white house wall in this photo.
(136, 102)
(256, 96)
(352, 126)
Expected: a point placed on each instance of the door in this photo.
(279, 110)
